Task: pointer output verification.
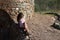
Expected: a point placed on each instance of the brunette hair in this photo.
(20, 15)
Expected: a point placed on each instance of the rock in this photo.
(13, 6)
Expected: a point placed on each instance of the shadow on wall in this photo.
(8, 30)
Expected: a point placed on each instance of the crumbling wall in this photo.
(15, 6)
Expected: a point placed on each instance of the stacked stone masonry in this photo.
(15, 6)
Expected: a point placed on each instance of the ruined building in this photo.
(12, 7)
(8, 14)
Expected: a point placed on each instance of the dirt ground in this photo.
(40, 28)
(39, 25)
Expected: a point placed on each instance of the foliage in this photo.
(46, 5)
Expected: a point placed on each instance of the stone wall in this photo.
(15, 6)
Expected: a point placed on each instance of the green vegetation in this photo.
(47, 5)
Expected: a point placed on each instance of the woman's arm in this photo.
(26, 27)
